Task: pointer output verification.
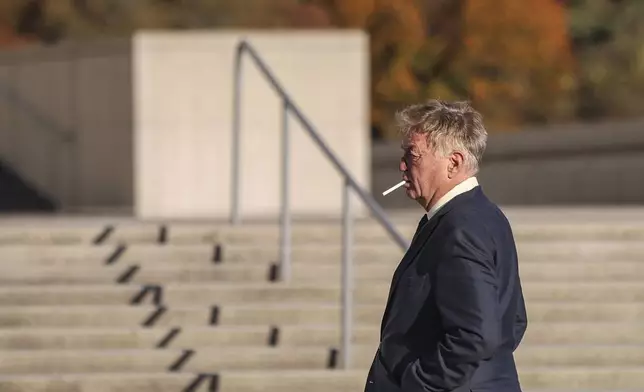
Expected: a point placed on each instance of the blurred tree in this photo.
(91, 18)
(608, 42)
(511, 58)
(8, 37)
(397, 31)
(530, 60)
(25, 20)
(517, 61)
(300, 14)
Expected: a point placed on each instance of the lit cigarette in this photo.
(393, 188)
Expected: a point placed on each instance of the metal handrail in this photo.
(285, 213)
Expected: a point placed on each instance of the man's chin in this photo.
(411, 194)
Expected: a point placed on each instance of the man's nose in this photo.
(403, 165)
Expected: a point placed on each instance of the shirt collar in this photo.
(460, 188)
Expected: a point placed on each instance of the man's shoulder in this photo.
(478, 215)
(471, 209)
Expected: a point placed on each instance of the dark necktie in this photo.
(421, 225)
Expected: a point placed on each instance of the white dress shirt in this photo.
(462, 187)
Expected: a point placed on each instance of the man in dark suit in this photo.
(455, 312)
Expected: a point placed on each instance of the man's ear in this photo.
(456, 164)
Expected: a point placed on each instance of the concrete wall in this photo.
(183, 86)
(65, 121)
(584, 164)
(145, 123)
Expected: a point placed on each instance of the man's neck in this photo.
(439, 196)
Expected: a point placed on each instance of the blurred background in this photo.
(160, 233)
(534, 63)
(560, 83)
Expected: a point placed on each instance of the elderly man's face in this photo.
(422, 169)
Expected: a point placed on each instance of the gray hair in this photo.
(449, 127)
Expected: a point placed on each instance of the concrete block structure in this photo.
(144, 124)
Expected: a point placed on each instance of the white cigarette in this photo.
(393, 188)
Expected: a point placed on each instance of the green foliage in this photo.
(608, 41)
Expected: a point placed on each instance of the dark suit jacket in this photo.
(455, 312)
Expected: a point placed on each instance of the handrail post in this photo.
(347, 275)
(285, 222)
(245, 48)
(236, 139)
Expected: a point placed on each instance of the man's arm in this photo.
(467, 301)
(521, 320)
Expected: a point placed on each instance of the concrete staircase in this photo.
(195, 307)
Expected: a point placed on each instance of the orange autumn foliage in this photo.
(518, 58)
(8, 39)
(509, 57)
(396, 32)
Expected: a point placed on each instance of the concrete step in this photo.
(173, 295)
(109, 316)
(41, 231)
(293, 335)
(274, 314)
(130, 338)
(318, 252)
(584, 333)
(186, 233)
(365, 230)
(151, 360)
(104, 382)
(149, 338)
(569, 379)
(283, 293)
(47, 235)
(584, 378)
(68, 256)
(533, 380)
(387, 252)
(301, 273)
(277, 358)
(562, 355)
(551, 312)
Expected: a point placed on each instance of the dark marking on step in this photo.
(163, 235)
(214, 315)
(333, 359)
(217, 255)
(169, 337)
(154, 316)
(273, 272)
(213, 382)
(128, 274)
(118, 252)
(213, 386)
(273, 336)
(140, 295)
(178, 364)
(102, 236)
(157, 295)
(195, 383)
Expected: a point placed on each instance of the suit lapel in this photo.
(421, 236)
(423, 232)
(425, 228)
